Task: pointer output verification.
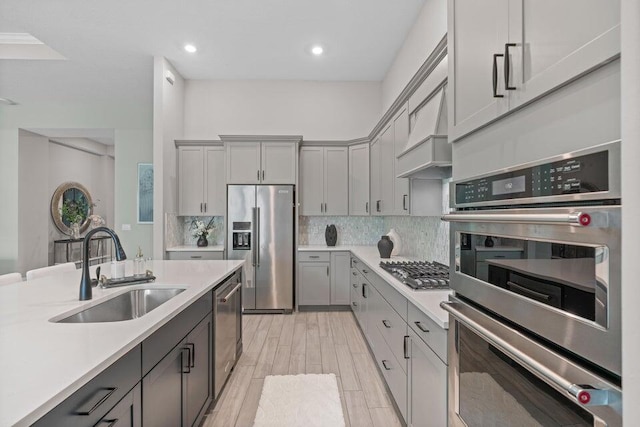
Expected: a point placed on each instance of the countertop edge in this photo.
(190, 248)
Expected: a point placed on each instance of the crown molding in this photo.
(198, 142)
(260, 138)
(334, 143)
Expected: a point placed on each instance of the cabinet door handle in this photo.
(188, 367)
(321, 206)
(205, 206)
(384, 363)
(327, 270)
(314, 256)
(192, 354)
(404, 201)
(355, 285)
(325, 208)
(507, 66)
(406, 346)
(366, 207)
(98, 399)
(364, 295)
(355, 304)
(258, 175)
(365, 271)
(495, 75)
(354, 273)
(421, 326)
(263, 174)
(377, 205)
(200, 206)
(386, 324)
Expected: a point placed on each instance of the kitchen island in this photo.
(45, 362)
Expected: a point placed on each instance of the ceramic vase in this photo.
(385, 246)
(75, 230)
(331, 235)
(488, 242)
(202, 242)
(397, 243)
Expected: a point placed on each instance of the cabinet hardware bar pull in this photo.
(421, 327)
(366, 207)
(576, 218)
(406, 347)
(354, 273)
(355, 304)
(325, 208)
(384, 363)
(386, 324)
(528, 292)
(109, 391)
(192, 355)
(365, 271)
(314, 256)
(205, 206)
(321, 207)
(363, 290)
(188, 367)
(404, 201)
(258, 175)
(200, 206)
(355, 285)
(377, 205)
(327, 270)
(226, 298)
(195, 256)
(507, 66)
(110, 423)
(495, 75)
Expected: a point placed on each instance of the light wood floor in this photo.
(310, 342)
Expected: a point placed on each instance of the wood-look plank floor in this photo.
(308, 342)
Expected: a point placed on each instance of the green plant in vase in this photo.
(73, 213)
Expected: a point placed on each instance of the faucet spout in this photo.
(85, 283)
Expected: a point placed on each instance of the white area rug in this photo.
(310, 400)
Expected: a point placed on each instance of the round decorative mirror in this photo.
(71, 206)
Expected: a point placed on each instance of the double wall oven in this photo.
(535, 333)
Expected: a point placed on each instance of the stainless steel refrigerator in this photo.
(260, 230)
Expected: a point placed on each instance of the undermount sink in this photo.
(130, 305)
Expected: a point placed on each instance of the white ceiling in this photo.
(110, 44)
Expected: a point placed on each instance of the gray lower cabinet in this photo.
(195, 255)
(177, 391)
(127, 413)
(427, 377)
(314, 283)
(340, 270)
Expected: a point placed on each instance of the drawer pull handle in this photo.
(355, 285)
(109, 423)
(406, 347)
(365, 271)
(355, 304)
(386, 324)
(100, 400)
(384, 363)
(314, 256)
(196, 256)
(354, 273)
(421, 327)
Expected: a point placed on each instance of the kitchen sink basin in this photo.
(130, 305)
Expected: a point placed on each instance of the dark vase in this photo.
(202, 242)
(488, 242)
(385, 246)
(331, 235)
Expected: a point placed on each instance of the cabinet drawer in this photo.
(195, 255)
(432, 334)
(393, 370)
(314, 256)
(484, 255)
(89, 404)
(393, 297)
(392, 327)
(164, 339)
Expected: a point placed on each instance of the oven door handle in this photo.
(528, 292)
(574, 218)
(582, 394)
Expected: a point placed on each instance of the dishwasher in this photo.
(227, 312)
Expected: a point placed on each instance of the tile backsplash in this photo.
(422, 237)
(352, 230)
(178, 230)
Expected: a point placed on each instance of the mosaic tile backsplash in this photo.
(352, 230)
(177, 231)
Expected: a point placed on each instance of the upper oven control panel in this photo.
(584, 175)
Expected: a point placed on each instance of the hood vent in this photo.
(428, 153)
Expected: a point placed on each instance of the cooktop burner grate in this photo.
(419, 275)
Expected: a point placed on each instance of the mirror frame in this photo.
(56, 200)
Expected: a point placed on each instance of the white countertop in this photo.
(426, 301)
(189, 248)
(577, 272)
(43, 363)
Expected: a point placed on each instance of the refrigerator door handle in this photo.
(254, 218)
(257, 241)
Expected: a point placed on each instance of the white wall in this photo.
(168, 125)
(33, 202)
(316, 110)
(427, 31)
(580, 115)
(630, 210)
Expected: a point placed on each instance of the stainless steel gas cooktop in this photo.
(419, 275)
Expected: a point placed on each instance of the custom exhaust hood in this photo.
(428, 153)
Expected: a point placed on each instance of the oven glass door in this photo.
(569, 276)
(493, 390)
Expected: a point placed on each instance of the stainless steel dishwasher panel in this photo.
(225, 318)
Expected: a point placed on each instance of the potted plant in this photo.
(201, 230)
(73, 213)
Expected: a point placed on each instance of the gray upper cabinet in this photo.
(477, 32)
(506, 53)
(201, 181)
(261, 162)
(324, 179)
(375, 177)
(401, 202)
(382, 173)
(359, 179)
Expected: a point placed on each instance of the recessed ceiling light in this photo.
(190, 48)
(317, 50)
